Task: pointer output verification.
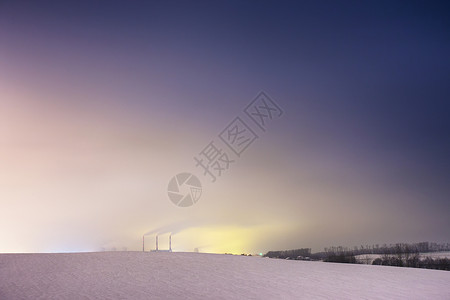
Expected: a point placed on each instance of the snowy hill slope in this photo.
(139, 275)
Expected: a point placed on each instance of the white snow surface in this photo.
(164, 275)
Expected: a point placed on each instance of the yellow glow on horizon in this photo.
(224, 239)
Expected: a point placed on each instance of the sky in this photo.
(102, 103)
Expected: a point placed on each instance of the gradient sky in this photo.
(102, 102)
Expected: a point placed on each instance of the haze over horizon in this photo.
(101, 104)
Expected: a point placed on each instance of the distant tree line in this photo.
(303, 253)
(406, 256)
(422, 247)
(347, 258)
(400, 255)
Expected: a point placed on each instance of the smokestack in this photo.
(156, 243)
(170, 243)
(143, 243)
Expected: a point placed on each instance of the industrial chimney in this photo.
(170, 243)
(143, 243)
(156, 243)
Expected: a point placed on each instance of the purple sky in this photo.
(102, 103)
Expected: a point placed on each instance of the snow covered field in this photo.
(139, 275)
